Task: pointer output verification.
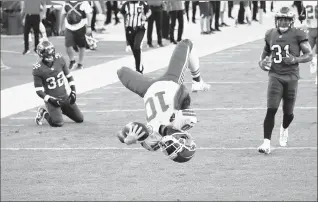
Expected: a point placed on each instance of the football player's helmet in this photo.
(46, 51)
(284, 18)
(91, 42)
(179, 146)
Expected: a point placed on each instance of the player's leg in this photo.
(52, 114)
(72, 112)
(80, 42)
(134, 81)
(184, 57)
(137, 49)
(289, 99)
(312, 36)
(274, 96)
(69, 43)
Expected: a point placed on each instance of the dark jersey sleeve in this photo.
(37, 80)
(146, 7)
(267, 47)
(302, 35)
(123, 8)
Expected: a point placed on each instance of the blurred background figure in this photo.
(156, 8)
(32, 12)
(194, 9)
(176, 11)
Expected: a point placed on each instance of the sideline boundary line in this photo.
(140, 148)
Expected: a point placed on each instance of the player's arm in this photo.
(146, 9)
(267, 49)
(88, 10)
(39, 89)
(62, 17)
(123, 8)
(302, 38)
(307, 53)
(264, 62)
(70, 80)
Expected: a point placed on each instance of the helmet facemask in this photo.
(178, 147)
(283, 23)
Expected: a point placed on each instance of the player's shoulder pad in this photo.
(268, 32)
(36, 67)
(301, 31)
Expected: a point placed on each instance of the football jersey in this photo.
(311, 13)
(159, 102)
(52, 78)
(281, 43)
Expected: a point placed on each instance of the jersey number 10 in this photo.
(151, 107)
(278, 50)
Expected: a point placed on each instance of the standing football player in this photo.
(48, 75)
(312, 15)
(167, 103)
(281, 57)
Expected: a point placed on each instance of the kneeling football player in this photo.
(166, 101)
(48, 75)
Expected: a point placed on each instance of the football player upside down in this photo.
(48, 75)
(167, 106)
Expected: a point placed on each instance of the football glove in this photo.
(72, 97)
(133, 135)
(54, 101)
(290, 59)
(265, 64)
(183, 119)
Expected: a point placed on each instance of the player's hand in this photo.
(183, 119)
(265, 64)
(134, 134)
(54, 101)
(290, 59)
(72, 97)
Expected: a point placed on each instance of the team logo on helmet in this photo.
(46, 51)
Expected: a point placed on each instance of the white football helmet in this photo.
(178, 146)
(284, 18)
(91, 42)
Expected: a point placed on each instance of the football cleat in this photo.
(40, 116)
(283, 136)
(264, 148)
(200, 86)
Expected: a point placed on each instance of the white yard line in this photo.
(140, 148)
(195, 109)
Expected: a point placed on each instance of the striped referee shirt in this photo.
(135, 13)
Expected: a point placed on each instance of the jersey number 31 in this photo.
(151, 106)
(278, 51)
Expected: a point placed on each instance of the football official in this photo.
(135, 15)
